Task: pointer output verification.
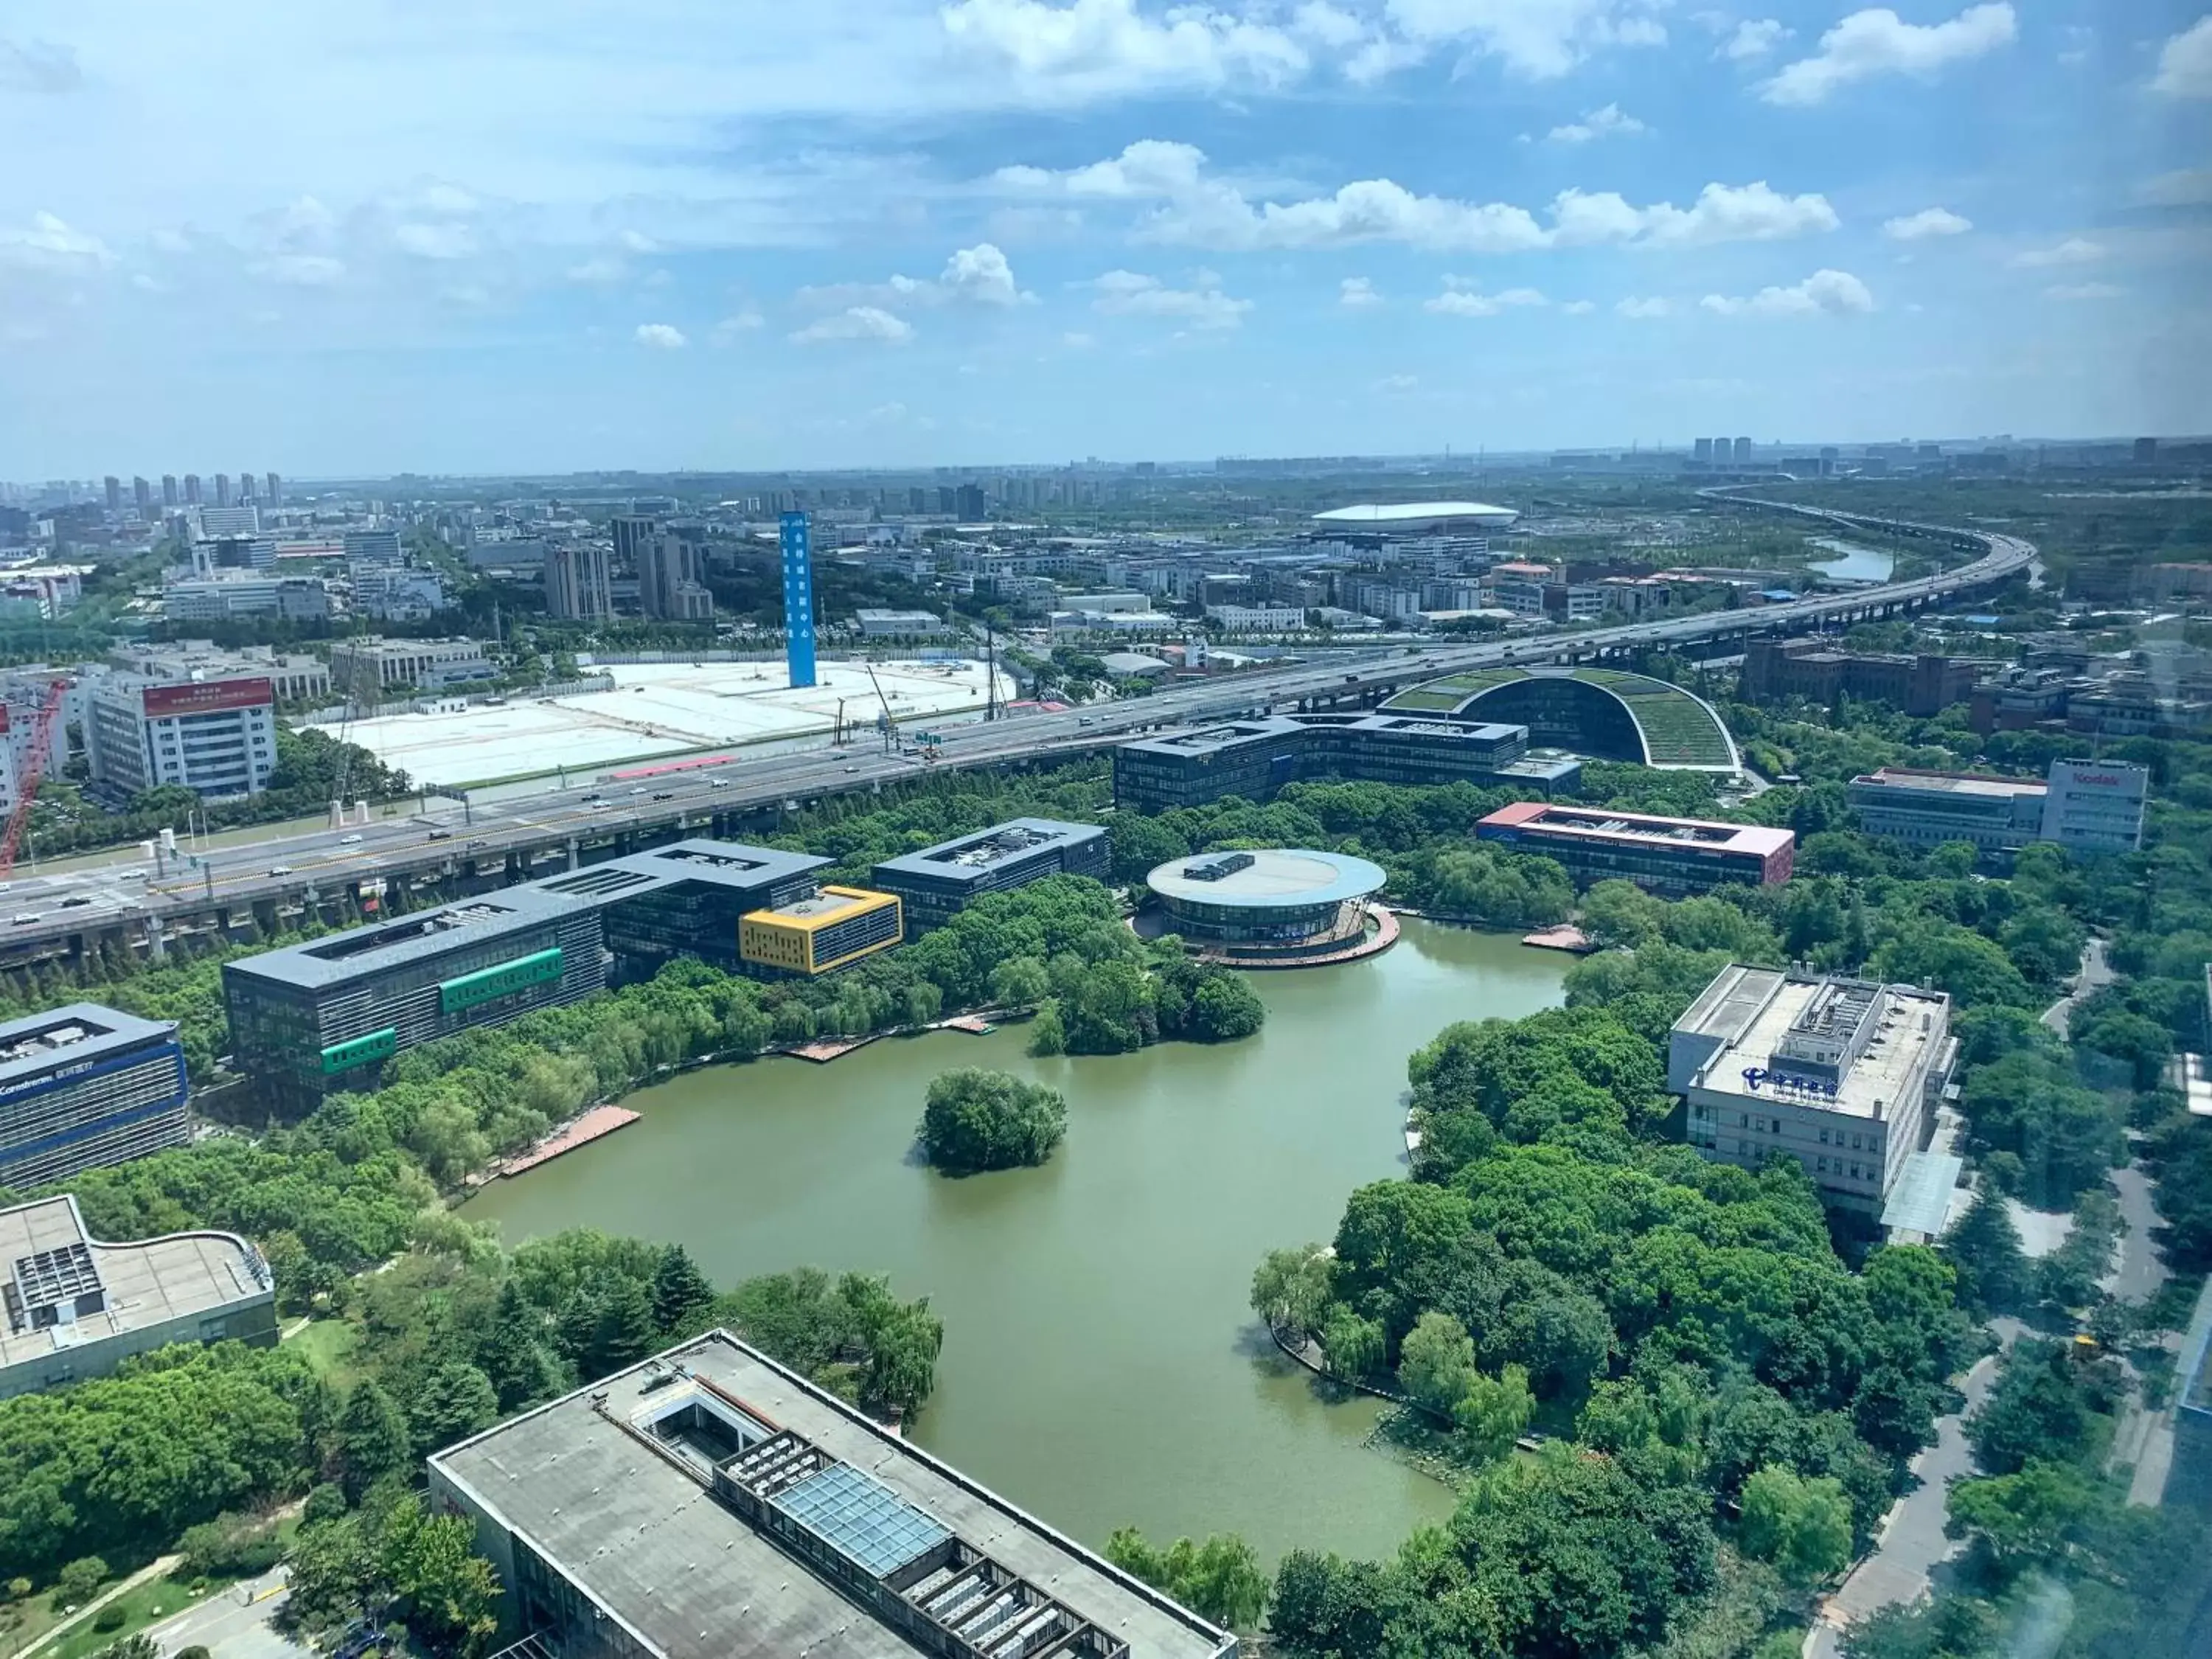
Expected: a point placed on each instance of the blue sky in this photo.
(398, 235)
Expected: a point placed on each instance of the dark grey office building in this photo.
(81, 1086)
(710, 1503)
(321, 1017)
(938, 883)
(1254, 758)
(686, 899)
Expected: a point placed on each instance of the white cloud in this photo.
(1754, 36)
(1598, 124)
(2083, 291)
(436, 241)
(661, 336)
(972, 275)
(1578, 307)
(1092, 49)
(1076, 340)
(601, 270)
(858, 323)
(1357, 293)
(1397, 382)
(301, 270)
(1825, 293)
(1327, 26)
(2073, 251)
(2184, 62)
(2186, 187)
(1131, 294)
(1202, 209)
(1877, 42)
(1537, 39)
(1929, 221)
(734, 326)
(50, 242)
(1640, 307)
(1460, 300)
(636, 241)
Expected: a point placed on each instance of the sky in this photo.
(546, 235)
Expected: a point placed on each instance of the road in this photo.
(2095, 974)
(234, 1623)
(62, 904)
(1911, 1544)
(160, 1567)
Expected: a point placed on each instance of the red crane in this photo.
(33, 767)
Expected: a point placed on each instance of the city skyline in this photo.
(1006, 231)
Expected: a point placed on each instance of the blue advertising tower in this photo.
(798, 600)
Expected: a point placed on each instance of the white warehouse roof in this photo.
(1415, 515)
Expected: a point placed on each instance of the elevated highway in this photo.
(457, 847)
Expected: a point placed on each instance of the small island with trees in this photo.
(976, 1119)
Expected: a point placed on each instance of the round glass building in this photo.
(1276, 897)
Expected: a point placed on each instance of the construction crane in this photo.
(890, 721)
(27, 774)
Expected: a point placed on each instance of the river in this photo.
(1853, 563)
(1101, 1366)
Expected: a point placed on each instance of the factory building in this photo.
(938, 883)
(1841, 1074)
(1254, 758)
(82, 1086)
(831, 928)
(76, 1308)
(317, 1018)
(1673, 857)
(710, 1503)
(2084, 805)
(217, 737)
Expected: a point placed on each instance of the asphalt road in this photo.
(63, 902)
(234, 1623)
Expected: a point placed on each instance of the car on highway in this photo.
(349, 841)
(441, 834)
(639, 790)
(589, 799)
(478, 841)
(663, 794)
(280, 869)
(24, 919)
(718, 783)
(599, 806)
(77, 901)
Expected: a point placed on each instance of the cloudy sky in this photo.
(565, 234)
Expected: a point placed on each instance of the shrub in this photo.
(109, 1617)
(976, 1119)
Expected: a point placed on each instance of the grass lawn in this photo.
(149, 1604)
(327, 1344)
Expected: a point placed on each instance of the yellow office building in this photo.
(812, 936)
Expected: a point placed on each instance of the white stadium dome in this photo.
(1405, 517)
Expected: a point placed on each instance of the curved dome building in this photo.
(1604, 713)
(1277, 898)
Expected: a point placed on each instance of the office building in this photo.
(712, 1503)
(685, 900)
(1254, 758)
(375, 670)
(832, 928)
(111, 488)
(223, 490)
(296, 676)
(224, 598)
(275, 494)
(317, 1018)
(1743, 452)
(2095, 806)
(1923, 685)
(629, 533)
(1925, 809)
(938, 883)
(192, 490)
(1702, 451)
(76, 1307)
(244, 520)
(397, 592)
(1607, 714)
(216, 737)
(875, 624)
(245, 489)
(168, 490)
(81, 1086)
(671, 577)
(1841, 1074)
(142, 498)
(374, 547)
(578, 587)
(1673, 857)
(1275, 899)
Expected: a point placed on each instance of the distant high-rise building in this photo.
(969, 503)
(917, 499)
(142, 498)
(275, 491)
(1743, 452)
(577, 585)
(246, 490)
(631, 532)
(223, 490)
(168, 489)
(670, 578)
(1702, 451)
(192, 490)
(113, 486)
(378, 547)
(948, 499)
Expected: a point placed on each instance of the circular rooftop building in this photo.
(1604, 713)
(1276, 898)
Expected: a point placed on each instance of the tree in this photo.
(1985, 1250)
(1436, 1362)
(1048, 1034)
(607, 1324)
(75, 1584)
(1291, 1290)
(372, 1440)
(1224, 1008)
(1495, 1411)
(1220, 1579)
(680, 1293)
(2020, 1520)
(2035, 1413)
(976, 1119)
(1019, 982)
(511, 1350)
(449, 1402)
(429, 1563)
(1802, 1526)
(1352, 1347)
